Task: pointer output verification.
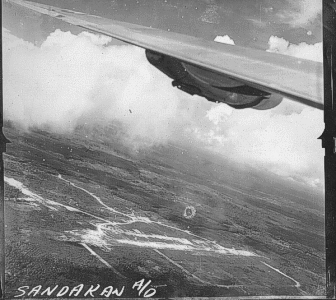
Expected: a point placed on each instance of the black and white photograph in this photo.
(165, 149)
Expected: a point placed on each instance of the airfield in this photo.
(83, 209)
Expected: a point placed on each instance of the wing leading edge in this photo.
(297, 79)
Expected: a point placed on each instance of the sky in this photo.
(58, 77)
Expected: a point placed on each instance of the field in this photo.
(83, 209)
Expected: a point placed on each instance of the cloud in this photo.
(282, 140)
(72, 80)
(285, 144)
(219, 113)
(301, 13)
(225, 39)
(303, 50)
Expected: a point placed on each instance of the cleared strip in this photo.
(102, 260)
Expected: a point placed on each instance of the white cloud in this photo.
(302, 50)
(285, 144)
(225, 39)
(219, 113)
(71, 80)
(282, 140)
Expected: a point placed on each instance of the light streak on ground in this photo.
(297, 284)
(34, 197)
(180, 267)
(101, 259)
(100, 236)
(190, 274)
(94, 196)
(131, 216)
(211, 245)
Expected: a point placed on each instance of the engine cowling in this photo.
(215, 87)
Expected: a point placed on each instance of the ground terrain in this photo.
(82, 208)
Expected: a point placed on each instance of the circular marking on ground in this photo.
(189, 212)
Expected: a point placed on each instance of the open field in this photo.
(83, 209)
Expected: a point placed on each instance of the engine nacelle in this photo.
(273, 101)
(214, 86)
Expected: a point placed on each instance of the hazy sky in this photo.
(247, 22)
(62, 78)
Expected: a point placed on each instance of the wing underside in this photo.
(298, 79)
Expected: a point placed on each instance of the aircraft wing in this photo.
(298, 79)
